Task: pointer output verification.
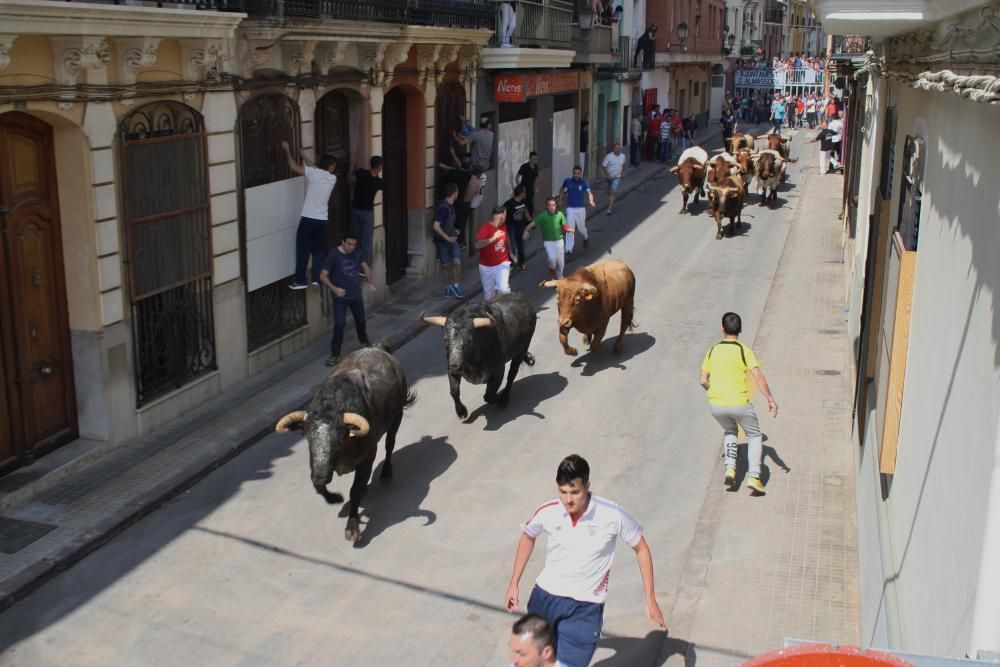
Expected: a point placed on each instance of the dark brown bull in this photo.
(589, 297)
(718, 168)
(745, 159)
(691, 176)
(725, 200)
(769, 173)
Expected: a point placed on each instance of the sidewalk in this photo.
(67, 505)
(760, 570)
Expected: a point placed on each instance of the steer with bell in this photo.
(588, 298)
(480, 338)
(361, 400)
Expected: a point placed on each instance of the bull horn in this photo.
(481, 322)
(436, 320)
(359, 423)
(290, 420)
(549, 283)
(587, 287)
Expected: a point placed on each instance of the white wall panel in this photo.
(272, 215)
(563, 154)
(514, 142)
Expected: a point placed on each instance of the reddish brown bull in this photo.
(726, 201)
(738, 141)
(719, 168)
(745, 158)
(589, 297)
(770, 172)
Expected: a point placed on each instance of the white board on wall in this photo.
(563, 155)
(272, 215)
(515, 141)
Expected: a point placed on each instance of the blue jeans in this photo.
(664, 150)
(577, 625)
(363, 225)
(310, 241)
(340, 308)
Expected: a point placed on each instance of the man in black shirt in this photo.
(825, 146)
(518, 219)
(366, 182)
(342, 273)
(526, 176)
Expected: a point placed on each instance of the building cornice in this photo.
(41, 17)
(353, 31)
(526, 58)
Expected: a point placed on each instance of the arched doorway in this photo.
(333, 136)
(394, 121)
(273, 310)
(37, 396)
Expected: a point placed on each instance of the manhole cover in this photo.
(827, 372)
(16, 534)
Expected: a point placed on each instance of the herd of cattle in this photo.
(728, 176)
(365, 395)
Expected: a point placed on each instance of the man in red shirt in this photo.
(494, 259)
(653, 136)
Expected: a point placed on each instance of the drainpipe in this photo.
(985, 635)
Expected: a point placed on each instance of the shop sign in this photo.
(551, 84)
(517, 88)
(509, 89)
(755, 78)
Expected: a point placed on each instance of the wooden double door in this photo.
(37, 398)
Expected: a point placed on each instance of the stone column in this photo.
(376, 96)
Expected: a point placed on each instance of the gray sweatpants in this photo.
(729, 418)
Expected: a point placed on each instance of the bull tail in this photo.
(529, 358)
(632, 324)
(409, 399)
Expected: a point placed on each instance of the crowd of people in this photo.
(795, 111)
(660, 136)
(798, 61)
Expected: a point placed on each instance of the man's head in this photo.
(349, 242)
(551, 204)
(327, 163)
(822, 125)
(533, 158)
(732, 325)
(451, 193)
(573, 480)
(499, 215)
(577, 172)
(532, 642)
(484, 122)
(375, 164)
(519, 192)
(466, 162)
(617, 148)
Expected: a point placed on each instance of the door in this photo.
(394, 195)
(37, 396)
(333, 138)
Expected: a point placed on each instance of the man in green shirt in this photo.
(553, 224)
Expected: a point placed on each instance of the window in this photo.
(169, 245)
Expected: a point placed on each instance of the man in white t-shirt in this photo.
(310, 237)
(614, 171)
(570, 591)
(836, 127)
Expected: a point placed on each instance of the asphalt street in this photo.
(250, 566)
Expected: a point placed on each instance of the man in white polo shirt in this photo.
(310, 236)
(570, 592)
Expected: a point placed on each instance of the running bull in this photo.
(359, 402)
(480, 338)
(690, 171)
(725, 200)
(589, 297)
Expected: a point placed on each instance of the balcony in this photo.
(441, 13)
(542, 37)
(598, 46)
(850, 46)
(883, 18)
(222, 5)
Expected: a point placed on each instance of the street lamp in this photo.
(586, 14)
(682, 33)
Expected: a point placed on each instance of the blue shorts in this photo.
(614, 183)
(448, 252)
(577, 625)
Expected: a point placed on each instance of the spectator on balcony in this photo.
(646, 47)
(508, 23)
(480, 143)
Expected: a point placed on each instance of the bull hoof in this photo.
(596, 347)
(504, 397)
(718, 236)
(619, 347)
(571, 351)
(492, 399)
(461, 412)
(683, 210)
(353, 531)
(386, 477)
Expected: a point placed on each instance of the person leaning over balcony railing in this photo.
(508, 23)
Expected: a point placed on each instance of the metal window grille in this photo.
(168, 241)
(273, 311)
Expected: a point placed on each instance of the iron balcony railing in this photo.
(540, 23)
(774, 12)
(851, 45)
(596, 41)
(444, 13)
(222, 5)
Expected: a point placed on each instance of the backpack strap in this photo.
(743, 355)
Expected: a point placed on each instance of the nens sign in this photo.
(509, 89)
(518, 88)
